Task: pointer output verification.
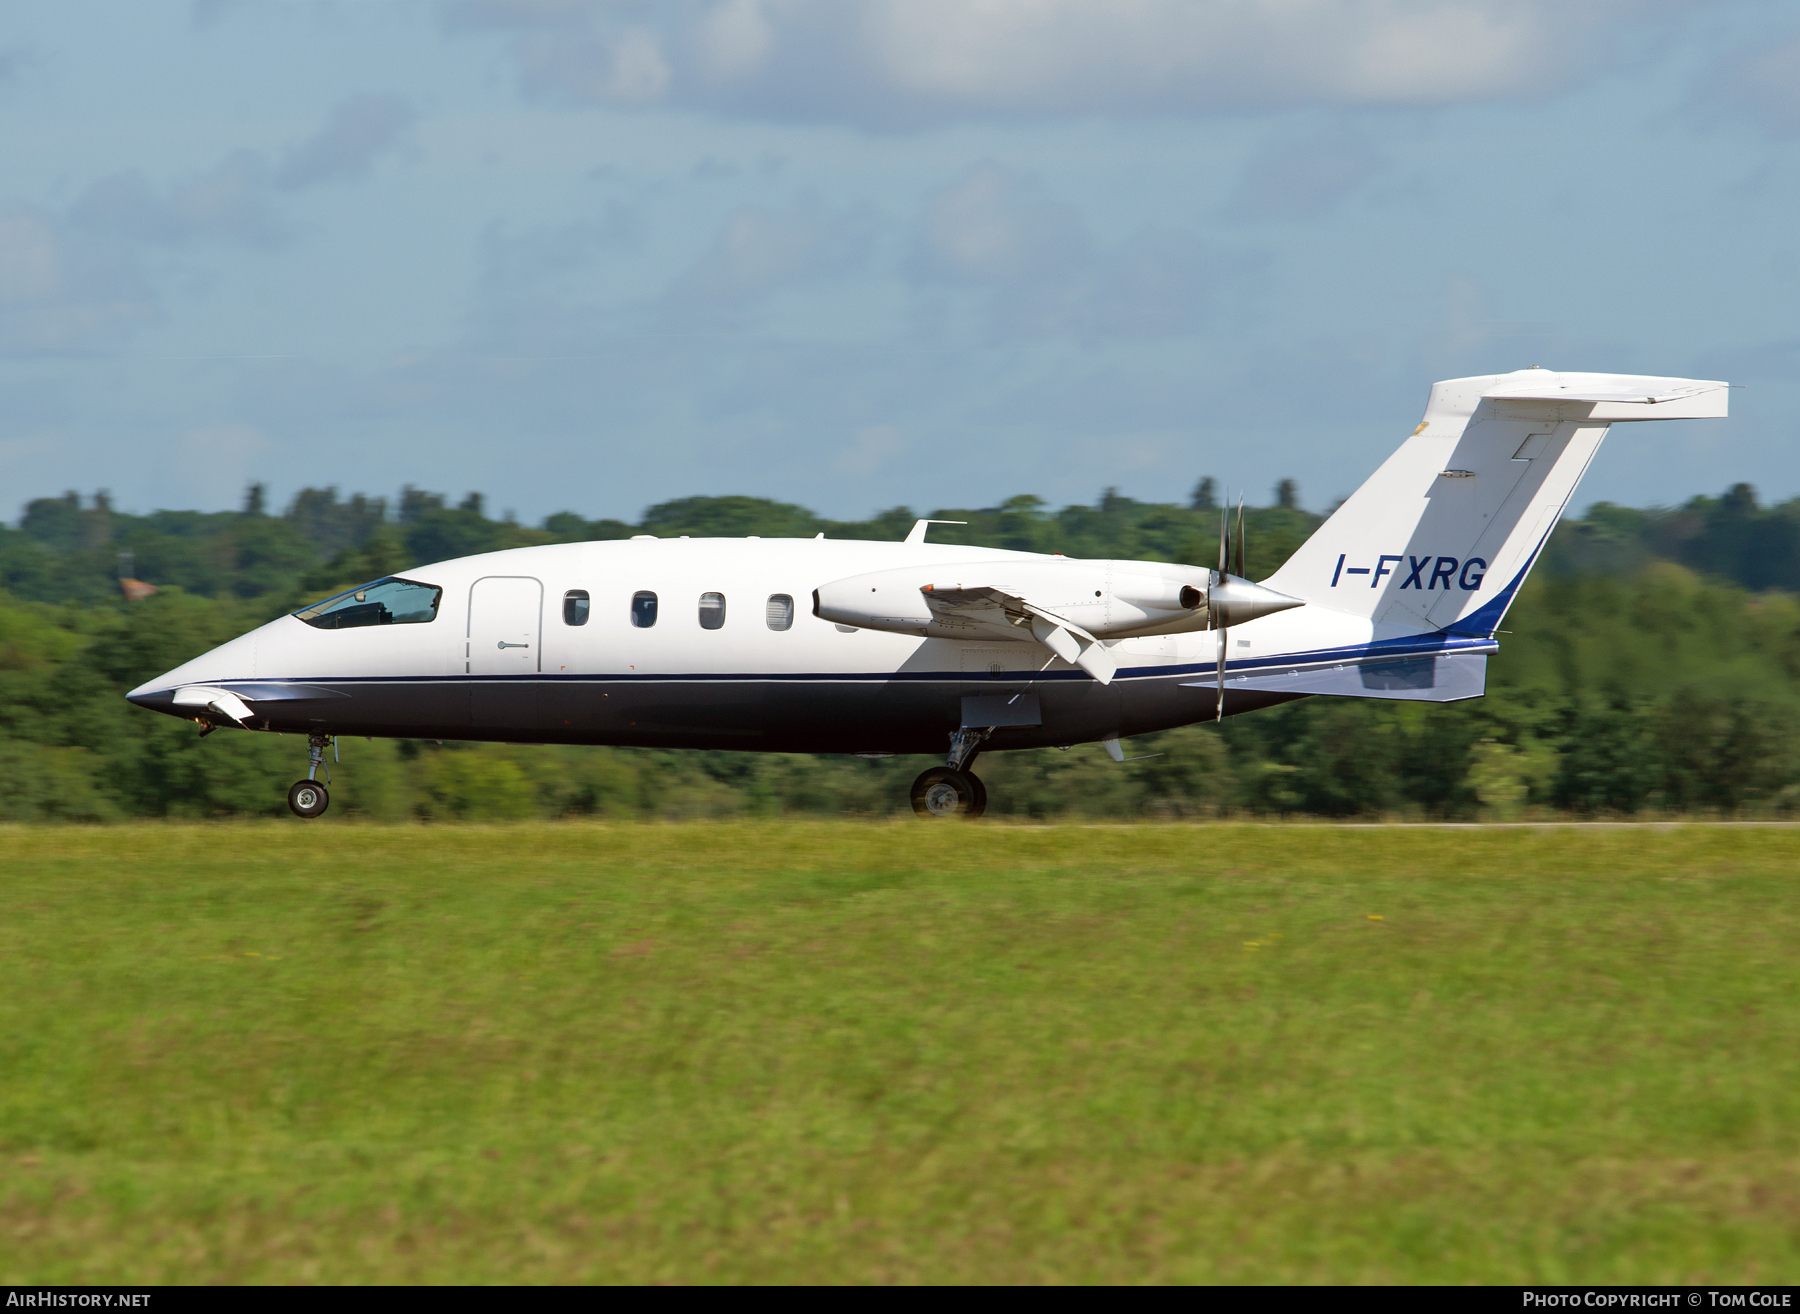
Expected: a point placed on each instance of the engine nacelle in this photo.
(1109, 599)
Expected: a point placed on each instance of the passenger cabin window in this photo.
(575, 607)
(712, 611)
(643, 610)
(780, 612)
(391, 601)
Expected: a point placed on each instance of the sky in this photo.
(591, 256)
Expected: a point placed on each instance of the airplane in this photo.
(881, 649)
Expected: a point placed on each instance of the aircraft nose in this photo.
(231, 661)
(156, 695)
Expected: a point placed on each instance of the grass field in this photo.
(872, 1052)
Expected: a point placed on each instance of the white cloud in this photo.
(63, 291)
(1304, 177)
(207, 12)
(1761, 84)
(581, 50)
(760, 251)
(218, 460)
(228, 203)
(736, 37)
(995, 227)
(20, 452)
(902, 62)
(1765, 362)
(356, 132)
(233, 202)
(76, 280)
(876, 445)
(538, 262)
(996, 231)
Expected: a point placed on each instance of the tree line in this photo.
(1653, 666)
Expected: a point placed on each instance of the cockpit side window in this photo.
(391, 601)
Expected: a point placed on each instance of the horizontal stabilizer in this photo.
(1439, 678)
(1650, 397)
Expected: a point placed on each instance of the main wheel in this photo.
(980, 794)
(941, 792)
(308, 798)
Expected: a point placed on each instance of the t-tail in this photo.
(1441, 536)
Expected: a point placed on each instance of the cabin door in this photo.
(505, 619)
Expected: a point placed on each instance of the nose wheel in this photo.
(943, 792)
(308, 798)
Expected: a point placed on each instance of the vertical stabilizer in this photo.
(1443, 534)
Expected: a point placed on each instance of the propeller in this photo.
(1224, 631)
(1224, 555)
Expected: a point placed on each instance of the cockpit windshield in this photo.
(391, 601)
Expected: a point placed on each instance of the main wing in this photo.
(988, 612)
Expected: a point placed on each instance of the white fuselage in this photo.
(815, 685)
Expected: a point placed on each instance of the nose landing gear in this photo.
(308, 798)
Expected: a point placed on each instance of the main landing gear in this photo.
(952, 790)
(308, 798)
(941, 792)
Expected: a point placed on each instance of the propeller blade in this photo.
(1240, 538)
(1223, 631)
(1219, 714)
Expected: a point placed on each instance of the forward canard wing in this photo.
(197, 699)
